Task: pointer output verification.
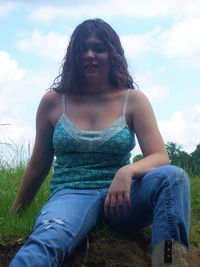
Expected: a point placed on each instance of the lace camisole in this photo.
(89, 159)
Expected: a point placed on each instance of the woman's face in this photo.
(94, 60)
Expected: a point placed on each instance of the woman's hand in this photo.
(119, 192)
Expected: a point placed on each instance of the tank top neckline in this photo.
(121, 120)
(118, 121)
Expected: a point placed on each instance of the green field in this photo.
(16, 228)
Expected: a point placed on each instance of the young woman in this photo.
(88, 121)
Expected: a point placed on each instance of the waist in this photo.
(82, 178)
(90, 160)
(93, 173)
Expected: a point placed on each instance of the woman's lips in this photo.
(91, 67)
(86, 66)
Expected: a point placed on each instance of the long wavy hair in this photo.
(71, 78)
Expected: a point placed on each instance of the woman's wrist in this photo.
(128, 171)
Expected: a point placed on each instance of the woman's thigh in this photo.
(62, 224)
(77, 211)
(163, 189)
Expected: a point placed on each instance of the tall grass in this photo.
(195, 211)
(13, 160)
(13, 154)
(16, 228)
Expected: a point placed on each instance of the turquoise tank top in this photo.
(89, 159)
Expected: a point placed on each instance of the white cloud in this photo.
(183, 128)
(52, 10)
(10, 75)
(51, 46)
(155, 92)
(191, 8)
(136, 45)
(6, 8)
(16, 82)
(182, 41)
(20, 93)
(9, 66)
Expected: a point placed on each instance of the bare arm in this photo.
(153, 149)
(41, 159)
(149, 137)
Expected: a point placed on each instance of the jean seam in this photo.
(169, 206)
(168, 203)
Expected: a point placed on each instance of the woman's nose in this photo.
(90, 53)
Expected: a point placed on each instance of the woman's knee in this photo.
(53, 233)
(48, 245)
(173, 173)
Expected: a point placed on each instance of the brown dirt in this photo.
(113, 250)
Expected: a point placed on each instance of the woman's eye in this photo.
(83, 49)
(95, 48)
(99, 49)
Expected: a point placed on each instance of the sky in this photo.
(161, 40)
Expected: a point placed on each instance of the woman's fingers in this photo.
(114, 200)
(127, 200)
(113, 205)
(120, 201)
(107, 205)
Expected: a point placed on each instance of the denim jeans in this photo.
(161, 198)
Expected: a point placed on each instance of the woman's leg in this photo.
(63, 223)
(161, 197)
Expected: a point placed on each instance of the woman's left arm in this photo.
(148, 136)
(152, 147)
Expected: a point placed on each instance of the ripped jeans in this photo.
(161, 198)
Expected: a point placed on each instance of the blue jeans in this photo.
(160, 198)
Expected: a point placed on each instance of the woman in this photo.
(88, 121)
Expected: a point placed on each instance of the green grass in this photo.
(16, 228)
(195, 211)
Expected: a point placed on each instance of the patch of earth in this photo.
(113, 250)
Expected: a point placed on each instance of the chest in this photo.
(117, 139)
(92, 115)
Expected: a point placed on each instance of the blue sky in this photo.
(161, 40)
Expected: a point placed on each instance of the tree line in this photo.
(190, 162)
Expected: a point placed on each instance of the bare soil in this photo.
(113, 250)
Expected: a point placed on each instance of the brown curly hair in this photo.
(70, 77)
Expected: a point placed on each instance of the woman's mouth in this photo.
(90, 67)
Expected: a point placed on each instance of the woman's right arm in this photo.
(41, 159)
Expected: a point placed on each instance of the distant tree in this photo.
(196, 154)
(174, 151)
(196, 160)
(137, 157)
(180, 158)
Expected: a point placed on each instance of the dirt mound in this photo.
(113, 250)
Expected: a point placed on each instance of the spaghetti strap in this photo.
(63, 104)
(125, 102)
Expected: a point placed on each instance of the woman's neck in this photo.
(97, 89)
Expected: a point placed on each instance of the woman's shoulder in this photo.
(51, 95)
(136, 94)
(136, 97)
(50, 99)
